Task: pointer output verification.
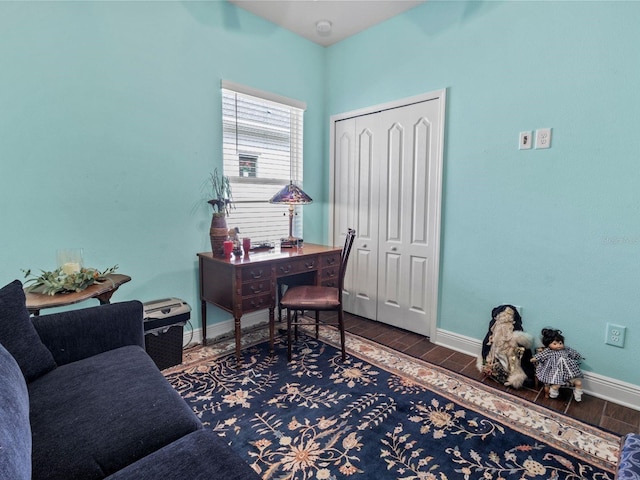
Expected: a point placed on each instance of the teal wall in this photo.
(109, 125)
(555, 231)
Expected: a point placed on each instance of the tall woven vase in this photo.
(218, 234)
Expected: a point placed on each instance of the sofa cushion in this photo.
(15, 435)
(201, 455)
(95, 416)
(19, 336)
(73, 335)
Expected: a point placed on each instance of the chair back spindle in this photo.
(344, 259)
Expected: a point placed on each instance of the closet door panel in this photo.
(420, 189)
(344, 179)
(366, 243)
(421, 249)
(406, 176)
(358, 206)
(393, 180)
(393, 280)
(418, 281)
(345, 182)
(391, 296)
(364, 205)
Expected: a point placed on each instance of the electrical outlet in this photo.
(615, 335)
(543, 138)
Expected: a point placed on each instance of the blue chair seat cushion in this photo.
(93, 417)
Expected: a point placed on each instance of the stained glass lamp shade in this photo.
(291, 195)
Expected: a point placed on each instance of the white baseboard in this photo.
(607, 388)
(225, 328)
(459, 343)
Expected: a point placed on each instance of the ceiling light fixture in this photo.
(323, 27)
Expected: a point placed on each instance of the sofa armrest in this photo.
(198, 455)
(78, 334)
(629, 460)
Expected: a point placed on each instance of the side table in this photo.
(102, 291)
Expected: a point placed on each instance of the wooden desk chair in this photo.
(318, 298)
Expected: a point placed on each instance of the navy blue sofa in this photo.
(81, 399)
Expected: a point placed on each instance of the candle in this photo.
(69, 260)
(70, 268)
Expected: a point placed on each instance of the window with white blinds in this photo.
(262, 148)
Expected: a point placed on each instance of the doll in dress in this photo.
(506, 349)
(557, 365)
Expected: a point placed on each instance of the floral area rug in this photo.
(379, 415)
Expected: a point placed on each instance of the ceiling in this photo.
(346, 17)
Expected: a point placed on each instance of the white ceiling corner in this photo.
(347, 17)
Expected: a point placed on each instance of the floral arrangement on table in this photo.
(61, 280)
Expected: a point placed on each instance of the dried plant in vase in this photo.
(221, 201)
(221, 198)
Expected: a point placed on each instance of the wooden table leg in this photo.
(203, 312)
(272, 327)
(238, 334)
(105, 298)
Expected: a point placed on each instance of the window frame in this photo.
(258, 219)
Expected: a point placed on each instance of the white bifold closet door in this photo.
(387, 174)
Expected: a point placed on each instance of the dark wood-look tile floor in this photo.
(616, 418)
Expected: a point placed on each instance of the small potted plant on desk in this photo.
(221, 202)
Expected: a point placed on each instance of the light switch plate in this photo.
(543, 138)
(525, 140)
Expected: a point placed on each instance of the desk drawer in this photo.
(332, 260)
(296, 266)
(259, 302)
(256, 288)
(257, 272)
(329, 273)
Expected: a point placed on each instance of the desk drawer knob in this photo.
(330, 273)
(286, 269)
(257, 288)
(310, 265)
(257, 273)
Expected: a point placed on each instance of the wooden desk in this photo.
(102, 291)
(246, 284)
